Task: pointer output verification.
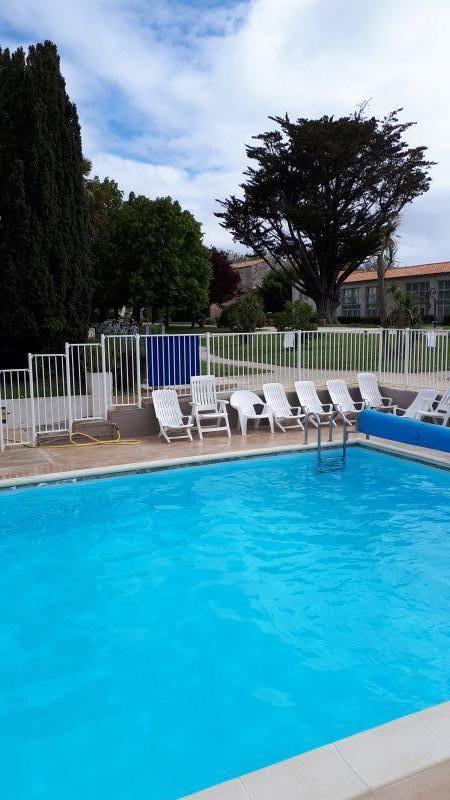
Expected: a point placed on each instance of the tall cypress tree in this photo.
(45, 274)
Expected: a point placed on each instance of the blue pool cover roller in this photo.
(402, 429)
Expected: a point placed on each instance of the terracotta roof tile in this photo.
(419, 270)
(416, 271)
(248, 262)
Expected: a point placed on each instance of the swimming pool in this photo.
(164, 631)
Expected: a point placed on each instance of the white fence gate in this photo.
(89, 385)
(16, 422)
(49, 393)
(122, 364)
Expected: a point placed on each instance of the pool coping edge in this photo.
(70, 476)
(408, 757)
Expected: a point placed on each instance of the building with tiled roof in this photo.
(251, 271)
(428, 283)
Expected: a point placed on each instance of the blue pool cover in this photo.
(401, 429)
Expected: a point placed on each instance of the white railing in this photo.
(50, 399)
(16, 426)
(247, 360)
(122, 362)
(88, 380)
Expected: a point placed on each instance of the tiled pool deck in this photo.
(407, 759)
(28, 464)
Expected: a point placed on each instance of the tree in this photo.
(104, 199)
(320, 194)
(225, 280)
(275, 289)
(152, 251)
(45, 280)
(406, 312)
(245, 314)
(385, 259)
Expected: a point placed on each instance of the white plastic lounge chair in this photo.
(440, 412)
(345, 406)
(244, 402)
(282, 410)
(422, 403)
(168, 413)
(370, 393)
(206, 407)
(317, 413)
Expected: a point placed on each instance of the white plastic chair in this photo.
(422, 403)
(282, 410)
(168, 413)
(343, 402)
(370, 393)
(244, 402)
(441, 410)
(316, 412)
(206, 406)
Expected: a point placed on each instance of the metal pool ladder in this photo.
(331, 464)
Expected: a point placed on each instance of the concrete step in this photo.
(100, 429)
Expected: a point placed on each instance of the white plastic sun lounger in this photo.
(283, 412)
(440, 412)
(345, 406)
(370, 392)
(206, 407)
(317, 413)
(168, 413)
(422, 403)
(244, 402)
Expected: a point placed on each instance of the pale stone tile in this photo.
(318, 775)
(230, 790)
(437, 720)
(433, 784)
(392, 752)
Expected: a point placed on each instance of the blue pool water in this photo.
(162, 632)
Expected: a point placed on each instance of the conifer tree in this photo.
(45, 274)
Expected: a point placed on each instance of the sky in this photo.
(169, 91)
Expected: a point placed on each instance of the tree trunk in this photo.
(381, 269)
(136, 311)
(326, 306)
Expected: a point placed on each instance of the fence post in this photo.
(138, 370)
(208, 352)
(380, 352)
(407, 335)
(298, 336)
(2, 443)
(69, 388)
(105, 390)
(32, 408)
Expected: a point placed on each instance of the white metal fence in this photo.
(87, 380)
(16, 425)
(122, 363)
(50, 399)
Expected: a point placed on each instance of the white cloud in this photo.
(186, 88)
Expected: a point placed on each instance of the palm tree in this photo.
(385, 258)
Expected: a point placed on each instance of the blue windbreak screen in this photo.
(172, 360)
